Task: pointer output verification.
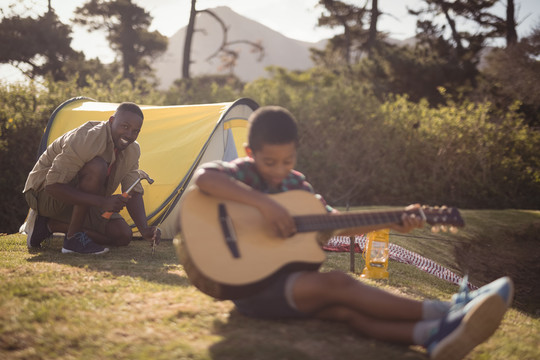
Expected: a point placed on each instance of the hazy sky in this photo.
(296, 19)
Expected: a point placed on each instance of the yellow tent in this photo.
(174, 141)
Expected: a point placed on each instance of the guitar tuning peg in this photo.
(454, 229)
(444, 228)
(435, 229)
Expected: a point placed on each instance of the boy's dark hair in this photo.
(131, 107)
(271, 125)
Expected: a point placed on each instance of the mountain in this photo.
(279, 50)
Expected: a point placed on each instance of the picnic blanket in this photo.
(397, 253)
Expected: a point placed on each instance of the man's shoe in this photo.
(503, 287)
(82, 244)
(465, 328)
(36, 230)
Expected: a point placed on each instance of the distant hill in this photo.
(279, 50)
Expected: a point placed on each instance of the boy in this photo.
(448, 330)
(72, 183)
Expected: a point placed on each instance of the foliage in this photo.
(342, 49)
(400, 126)
(333, 117)
(204, 90)
(462, 153)
(357, 146)
(356, 150)
(513, 74)
(21, 122)
(127, 25)
(36, 46)
(459, 45)
(81, 68)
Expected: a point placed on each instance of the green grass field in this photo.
(130, 304)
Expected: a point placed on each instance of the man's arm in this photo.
(71, 195)
(223, 186)
(135, 207)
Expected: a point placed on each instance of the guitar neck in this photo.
(309, 223)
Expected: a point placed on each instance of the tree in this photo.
(36, 47)
(459, 46)
(228, 54)
(372, 35)
(513, 74)
(127, 31)
(511, 34)
(351, 18)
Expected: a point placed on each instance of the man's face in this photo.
(274, 162)
(125, 128)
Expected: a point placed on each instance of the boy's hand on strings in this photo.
(278, 217)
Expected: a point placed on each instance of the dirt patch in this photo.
(518, 256)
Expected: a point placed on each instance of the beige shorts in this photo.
(50, 207)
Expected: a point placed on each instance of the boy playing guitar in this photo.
(448, 330)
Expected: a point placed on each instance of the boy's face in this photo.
(125, 128)
(274, 161)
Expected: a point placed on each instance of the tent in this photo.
(174, 141)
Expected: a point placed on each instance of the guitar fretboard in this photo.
(309, 223)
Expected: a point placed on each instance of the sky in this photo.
(296, 19)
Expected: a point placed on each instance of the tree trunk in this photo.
(187, 44)
(455, 34)
(511, 34)
(372, 38)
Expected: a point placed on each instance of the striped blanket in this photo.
(397, 253)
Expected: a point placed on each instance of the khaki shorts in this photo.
(50, 207)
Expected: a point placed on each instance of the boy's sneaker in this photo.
(503, 287)
(82, 244)
(36, 230)
(465, 328)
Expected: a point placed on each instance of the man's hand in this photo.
(151, 234)
(115, 203)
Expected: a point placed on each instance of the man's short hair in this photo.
(131, 107)
(271, 125)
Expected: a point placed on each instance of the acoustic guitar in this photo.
(229, 251)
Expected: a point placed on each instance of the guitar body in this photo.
(216, 270)
(229, 251)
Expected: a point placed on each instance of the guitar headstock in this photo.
(442, 216)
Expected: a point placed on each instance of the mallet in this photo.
(142, 175)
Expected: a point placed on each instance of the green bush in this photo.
(358, 151)
(22, 120)
(466, 154)
(354, 149)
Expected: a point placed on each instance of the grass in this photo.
(128, 304)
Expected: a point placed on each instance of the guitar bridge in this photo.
(228, 231)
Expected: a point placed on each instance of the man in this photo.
(73, 182)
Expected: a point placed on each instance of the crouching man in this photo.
(72, 185)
